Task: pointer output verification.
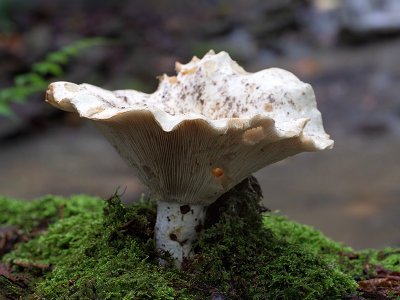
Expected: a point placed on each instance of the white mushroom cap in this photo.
(204, 130)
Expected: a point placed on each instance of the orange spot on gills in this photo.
(217, 172)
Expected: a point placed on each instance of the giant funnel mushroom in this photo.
(200, 133)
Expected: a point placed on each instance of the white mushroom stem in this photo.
(177, 227)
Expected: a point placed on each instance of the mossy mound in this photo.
(96, 249)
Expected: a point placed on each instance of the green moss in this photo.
(27, 215)
(294, 232)
(330, 250)
(95, 257)
(245, 259)
(104, 250)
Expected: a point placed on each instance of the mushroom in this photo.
(199, 134)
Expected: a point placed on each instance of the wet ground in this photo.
(351, 193)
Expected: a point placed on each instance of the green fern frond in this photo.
(37, 79)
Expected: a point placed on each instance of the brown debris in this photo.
(62, 207)
(134, 226)
(384, 285)
(366, 269)
(381, 271)
(33, 265)
(350, 255)
(382, 255)
(5, 270)
(13, 285)
(373, 285)
(127, 224)
(379, 288)
(9, 236)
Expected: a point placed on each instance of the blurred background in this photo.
(348, 50)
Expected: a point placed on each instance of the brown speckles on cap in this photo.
(123, 98)
(271, 98)
(268, 107)
(183, 130)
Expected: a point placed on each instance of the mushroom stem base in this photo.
(177, 227)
